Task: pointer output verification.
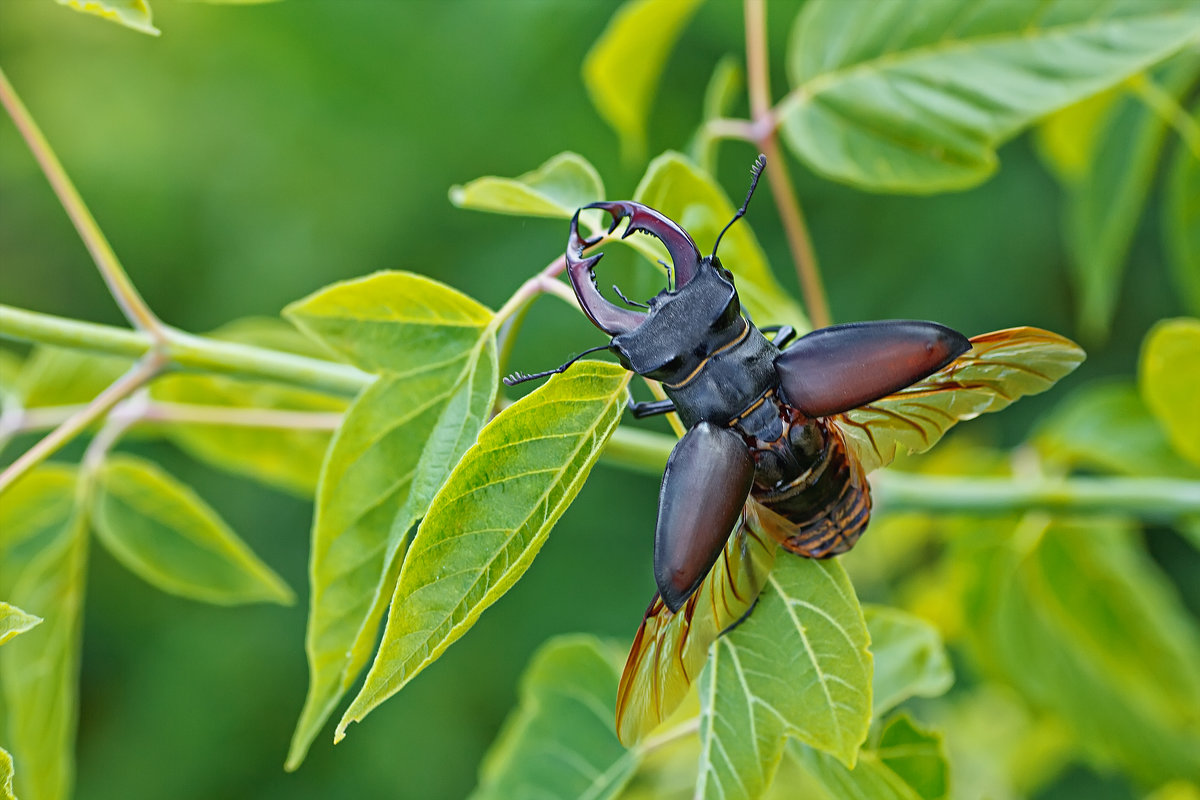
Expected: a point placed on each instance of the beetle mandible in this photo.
(754, 408)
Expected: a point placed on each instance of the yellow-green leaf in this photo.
(1169, 377)
(798, 666)
(490, 519)
(1181, 217)
(560, 740)
(396, 321)
(1066, 140)
(676, 187)
(916, 96)
(130, 13)
(39, 670)
(162, 531)
(33, 509)
(724, 88)
(910, 659)
(56, 376)
(1106, 426)
(14, 621)
(555, 189)
(391, 454)
(6, 776)
(622, 69)
(1076, 617)
(1105, 204)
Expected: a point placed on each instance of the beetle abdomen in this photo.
(829, 505)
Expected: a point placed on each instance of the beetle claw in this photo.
(684, 253)
(608, 317)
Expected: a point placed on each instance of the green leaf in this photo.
(6, 776)
(798, 666)
(1067, 140)
(915, 97)
(10, 369)
(1169, 377)
(55, 376)
(39, 670)
(622, 69)
(163, 532)
(130, 13)
(677, 188)
(910, 659)
(34, 509)
(555, 189)
(1080, 621)
(560, 740)
(393, 451)
(490, 519)
(396, 321)
(1104, 206)
(906, 764)
(14, 621)
(724, 88)
(1181, 218)
(1106, 426)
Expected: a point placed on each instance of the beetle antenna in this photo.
(521, 377)
(756, 172)
(628, 302)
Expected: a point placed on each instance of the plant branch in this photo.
(183, 350)
(1168, 110)
(137, 376)
(1145, 498)
(762, 130)
(119, 285)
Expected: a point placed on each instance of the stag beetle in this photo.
(754, 408)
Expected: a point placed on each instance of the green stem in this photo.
(1169, 111)
(183, 350)
(122, 289)
(137, 376)
(1146, 498)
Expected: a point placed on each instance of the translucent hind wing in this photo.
(999, 368)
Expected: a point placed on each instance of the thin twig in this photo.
(137, 376)
(762, 129)
(122, 289)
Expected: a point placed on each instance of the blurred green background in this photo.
(252, 154)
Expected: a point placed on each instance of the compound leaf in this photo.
(555, 189)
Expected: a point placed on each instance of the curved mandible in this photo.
(610, 318)
(684, 254)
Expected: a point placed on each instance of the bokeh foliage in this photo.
(315, 143)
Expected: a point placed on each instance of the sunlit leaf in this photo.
(724, 88)
(163, 532)
(1107, 426)
(39, 670)
(1176, 790)
(490, 519)
(130, 13)
(670, 650)
(1067, 139)
(798, 666)
(1076, 616)
(560, 740)
(916, 96)
(14, 621)
(999, 368)
(1169, 378)
(555, 189)
(6, 776)
(34, 509)
(674, 186)
(1104, 206)
(910, 659)
(55, 376)
(392, 452)
(907, 763)
(622, 69)
(10, 369)
(395, 321)
(1181, 218)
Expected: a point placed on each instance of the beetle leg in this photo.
(784, 334)
(841, 367)
(650, 407)
(628, 302)
(706, 483)
(684, 253)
